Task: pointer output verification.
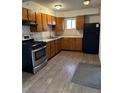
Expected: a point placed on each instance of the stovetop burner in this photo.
(33, 44)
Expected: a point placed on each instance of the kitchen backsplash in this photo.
(25, 30)
(36, 35)
(73, 32)
(46, 34)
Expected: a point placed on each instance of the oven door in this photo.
(39, 56)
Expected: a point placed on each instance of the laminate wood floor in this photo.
(56, 76)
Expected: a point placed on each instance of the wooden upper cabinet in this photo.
(31, 15)
(79, 22)
(39, 22)
(49, 19)
(44, 21)
(53, 20)
(59, 23)
(24, 14)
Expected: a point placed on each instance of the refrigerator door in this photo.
(91, 38)
(91, 28)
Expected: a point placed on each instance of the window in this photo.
(70, 23)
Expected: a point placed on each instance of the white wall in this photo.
(37, 7)
(74, 13)
(92, 18)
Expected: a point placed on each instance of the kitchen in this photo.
(60, 36)
(67, 69)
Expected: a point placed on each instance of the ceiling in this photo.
(67, 5)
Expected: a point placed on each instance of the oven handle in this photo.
(38, 49)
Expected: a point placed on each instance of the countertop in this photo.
(58, 37)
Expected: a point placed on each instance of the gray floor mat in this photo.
(88, 75)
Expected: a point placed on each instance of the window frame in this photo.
(72, 18)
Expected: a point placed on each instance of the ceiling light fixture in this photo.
(86, 2)
(58, 7)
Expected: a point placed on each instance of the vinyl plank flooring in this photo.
(56, 76)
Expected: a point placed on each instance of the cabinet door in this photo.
(56, 46)
(79, 44)
(39, 22)
(31, 15)
(49, 19)
(53, 20)
(48, 50)
(24, 14)
(79, 22)
(72, 43)
(65, 43)
(44, 21)
(59, 24)
(52, 49)
(59, 45)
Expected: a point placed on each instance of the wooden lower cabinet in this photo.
(48, 50)
(72, 44)
(68, 43)
(65, 43)
(55, 46)
(59, 45)
(78, 45)
(52, 48)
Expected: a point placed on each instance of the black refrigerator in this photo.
(91, 38)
